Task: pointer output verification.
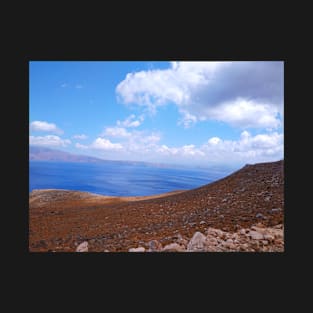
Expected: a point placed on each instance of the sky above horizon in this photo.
(193, 113)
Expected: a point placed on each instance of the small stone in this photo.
(267, 199)
(244, 247)
(139, 249)
(83, 247)
(255, 235)
(269, 237)
(276, 210)
(202, 222)
(211, 241)
(173, 247)
(242, 231)
(259, 215)
(279, 226)
(154, 245)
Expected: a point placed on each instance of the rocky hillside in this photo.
(241, 212)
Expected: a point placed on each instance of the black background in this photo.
(148, 32)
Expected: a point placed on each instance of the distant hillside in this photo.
(47, 154)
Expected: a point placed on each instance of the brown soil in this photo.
(59, 220)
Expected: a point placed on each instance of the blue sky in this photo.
(201, 113)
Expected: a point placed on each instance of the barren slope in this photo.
(59, 220)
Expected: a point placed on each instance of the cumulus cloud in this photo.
(131, 121)
(80, 137)
(243, 94)
(139, 145)
(116, 132)
(105, 144)
(248, 148)
(49, 140)
(214, 141)
(45, 127)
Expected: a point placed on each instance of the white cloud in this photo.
(243, 94)
(45, 126)
(146, 139)
(80, 137)
(191, 150)
(247, 149)
(214, 141)
(187, 119)
(245, 114)
(80, 146)
(105, 144)
(78, 86)
(64, 85)
(251, 149)
(116, 132)
(130, 121)
(50, 140)
(144, 146)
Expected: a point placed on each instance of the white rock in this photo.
(269, 237)
(173, 247)
(139, 249)
(211, 241)
(83, 247)
(255, 235)
(197, 242)
(242, 231)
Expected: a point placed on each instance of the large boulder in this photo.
(197, 242)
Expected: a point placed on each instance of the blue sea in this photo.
(118, 179)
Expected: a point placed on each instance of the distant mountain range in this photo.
(37, 153)
(46, 154)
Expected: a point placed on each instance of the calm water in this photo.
(117, 179)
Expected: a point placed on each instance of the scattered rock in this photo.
(276, 210)
(269, 237)
(173, 247)
(255, 235)
(259, 215)
(154, 245)
(139, 249)
(197, 242)
(83, 247)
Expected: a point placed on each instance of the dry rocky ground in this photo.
(241, 212)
